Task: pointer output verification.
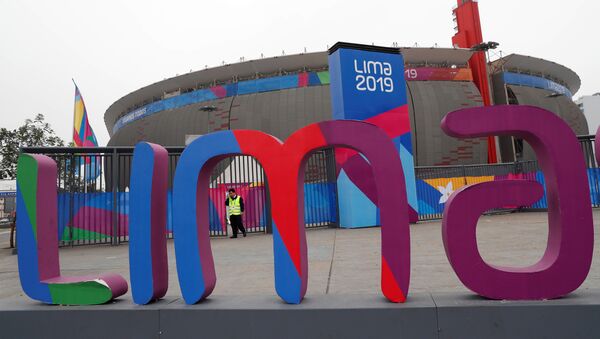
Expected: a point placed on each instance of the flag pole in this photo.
(78, 163)
(74, 108)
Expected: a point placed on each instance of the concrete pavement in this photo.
(341, 261)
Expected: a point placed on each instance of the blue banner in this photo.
(228, 90)
(365, 83)
(536, 82)
(368, 83)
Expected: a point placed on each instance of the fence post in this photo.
(268, 218)
(332, 177)
(74, 187)
(587, 145)
(518, 167)
(115, 203)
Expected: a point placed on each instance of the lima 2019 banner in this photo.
(368, 86)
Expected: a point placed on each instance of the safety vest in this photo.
(234, 206)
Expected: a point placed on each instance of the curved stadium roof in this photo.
(264, 67)
(536, 66)
(247, 69)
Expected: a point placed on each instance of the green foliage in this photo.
(34, 133)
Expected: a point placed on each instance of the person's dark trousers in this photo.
(236, 223)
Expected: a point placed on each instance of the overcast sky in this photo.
(112, 48)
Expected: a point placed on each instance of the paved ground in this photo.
(340, 261)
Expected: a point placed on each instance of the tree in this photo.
(34, 133)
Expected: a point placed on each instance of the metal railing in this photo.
(93, 190)
(435, 184)
(93, 193)
(587, 145)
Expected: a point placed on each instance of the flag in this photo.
(83, 136)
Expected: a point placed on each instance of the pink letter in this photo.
(568, 256)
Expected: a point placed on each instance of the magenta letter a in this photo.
(567, 259)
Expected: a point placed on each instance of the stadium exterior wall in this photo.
(287, 100)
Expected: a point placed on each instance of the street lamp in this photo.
(485, 46)
(207, 108)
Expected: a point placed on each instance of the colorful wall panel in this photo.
(433, 193)
(93, 212)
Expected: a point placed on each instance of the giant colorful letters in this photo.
(147, 234)
(283, 165)
(561, 270)
(37, 241)
(568, 256)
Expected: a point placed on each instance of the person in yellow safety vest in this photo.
(235, 205)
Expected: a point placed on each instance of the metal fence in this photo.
(242, 173)
(93, 193)
(587, 145)
(435, 184)
(93, 190)
(320, 190)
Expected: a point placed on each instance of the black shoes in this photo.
(233, 237)
(244, 234)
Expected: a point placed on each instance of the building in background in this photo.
(524, 80)
(590, 106)
(8, 196)
(282, 94)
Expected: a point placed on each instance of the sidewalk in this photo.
(341, 261)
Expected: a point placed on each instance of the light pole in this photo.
(485, 47)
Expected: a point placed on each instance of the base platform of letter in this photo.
(332, 316)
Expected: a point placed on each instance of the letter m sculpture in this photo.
(284, 165)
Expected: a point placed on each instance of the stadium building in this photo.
(279, 95)
(524, 80)
(282, 94)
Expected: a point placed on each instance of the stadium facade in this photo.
(282, 94)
